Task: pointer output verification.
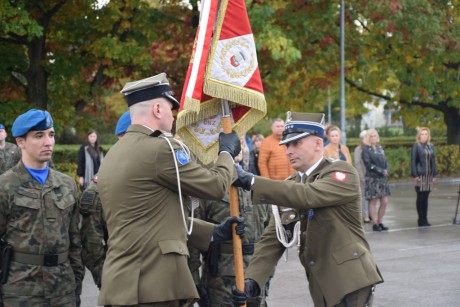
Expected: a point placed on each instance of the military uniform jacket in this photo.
(40, 220)
(147, 252)
(334, 250)
(9, 157)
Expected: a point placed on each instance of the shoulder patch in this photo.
(340, 176)
(182, 157)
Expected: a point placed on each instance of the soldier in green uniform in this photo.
(93, 230)
(39, 223)
(218, 274)
(9, 153)
(145, 184)
(326, 199)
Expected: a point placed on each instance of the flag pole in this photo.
(234, 210)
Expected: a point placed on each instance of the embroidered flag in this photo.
(340, 176)
(231, 73)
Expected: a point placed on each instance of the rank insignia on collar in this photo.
(182, 157)
(340, 176)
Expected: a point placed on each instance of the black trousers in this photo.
(422, 206)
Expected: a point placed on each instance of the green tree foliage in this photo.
(73, 57)
(404, 51)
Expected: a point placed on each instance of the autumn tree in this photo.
(71, 56)
(403, 51)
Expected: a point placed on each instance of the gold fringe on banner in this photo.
(194, 111)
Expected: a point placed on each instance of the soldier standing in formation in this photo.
(218, 273)
(94, 236)
(9, 153)
(325, 194)
(143, 184)
(39, 223)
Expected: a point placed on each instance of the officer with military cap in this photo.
(10, 154)
(41, 248)
(325, 195)
(147, 184)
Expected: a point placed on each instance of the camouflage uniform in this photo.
(218, 281)
(41, 224)
(9, 157)
(93, 232)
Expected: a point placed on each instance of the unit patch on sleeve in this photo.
(339, 176)
(182, 157)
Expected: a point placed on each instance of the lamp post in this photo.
(342, 71)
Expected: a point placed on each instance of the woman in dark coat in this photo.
(377, 187)
(89, 159)
(423, 165)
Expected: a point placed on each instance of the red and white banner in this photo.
(231, 73)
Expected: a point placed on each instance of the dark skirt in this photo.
(377, 187)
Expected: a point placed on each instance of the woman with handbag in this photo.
(423, 165)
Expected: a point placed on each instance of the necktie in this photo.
(304, 178)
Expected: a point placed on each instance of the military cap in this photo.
(149, 88)
(123, 123)
(300, 125)
(32, 120)
(2, 126)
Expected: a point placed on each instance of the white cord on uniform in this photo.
(193, 199)
(281, 232)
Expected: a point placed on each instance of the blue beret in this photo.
(32, 120)
(123, 123)
(300, 125)
(2, 127)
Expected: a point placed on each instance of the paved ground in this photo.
(421, 266)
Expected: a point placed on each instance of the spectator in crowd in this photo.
(377, 187)
(10, 154)
(244, 159)
(248, 140)
(254, 155)
(361, 168)
(218, 275)
(423, 166)
(94, 235)
(41, 247)
(90, 157)
(273, 162)
(324, 197)
(335, 149)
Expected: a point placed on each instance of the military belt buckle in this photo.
(51, 260)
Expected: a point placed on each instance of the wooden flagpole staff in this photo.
(234, 210)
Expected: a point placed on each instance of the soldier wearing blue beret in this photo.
(39, 217)
(123, 123)
(10, 154)
(325, 195)
(144, 183)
